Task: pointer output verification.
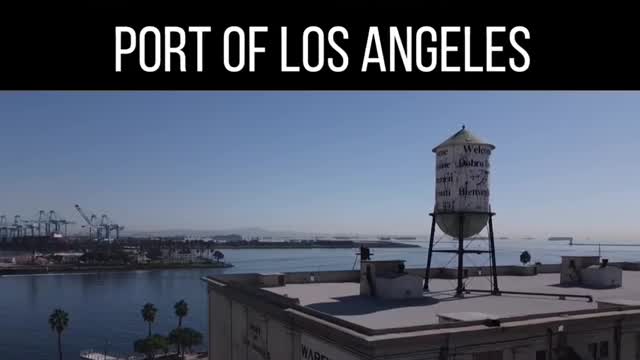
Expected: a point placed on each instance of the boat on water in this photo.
(560, 238)
(384, 238)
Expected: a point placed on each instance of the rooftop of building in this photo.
(334, 297)
(343, 300)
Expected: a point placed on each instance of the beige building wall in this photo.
(313, 348)
(220, 326)
(239, 349)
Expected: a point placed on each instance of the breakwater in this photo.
(46, 269)
(313, 244)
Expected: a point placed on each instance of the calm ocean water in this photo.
(104, 308)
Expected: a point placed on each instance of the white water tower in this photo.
(462, 183)
(462, 208)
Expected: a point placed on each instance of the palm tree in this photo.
(149, 312)
(59, 320)
(182, 309)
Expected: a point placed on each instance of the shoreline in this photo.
(60, 269)
(292, 245)
(353, 245)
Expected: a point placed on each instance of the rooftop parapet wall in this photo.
(302, 277)
(283, 307)
(291, 307)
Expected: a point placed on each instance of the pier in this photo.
(96, 355)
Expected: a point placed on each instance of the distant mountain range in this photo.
(251, 232)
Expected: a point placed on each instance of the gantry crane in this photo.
(17, 226)
(4, 227)
(107, 226)
(103, 228)
(91, 221)
(44, 224)
(54, 225)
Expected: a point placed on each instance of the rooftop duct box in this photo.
(602, 276)
(466, 316)
(588, 271)
(572, 266)
(387, 279)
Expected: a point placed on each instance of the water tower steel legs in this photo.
(494, 268)
(426, 273)
(460, 287)
(460, 251)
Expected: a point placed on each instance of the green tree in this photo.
(182, 309)
(185, 338)
(218, 255)
(151, 346)
(59, 320)
(525, 258)
(149, 312)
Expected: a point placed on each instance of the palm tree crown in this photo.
(182, 309)
(59, 320)
(149, 312)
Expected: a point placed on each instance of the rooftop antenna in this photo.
(364, 254)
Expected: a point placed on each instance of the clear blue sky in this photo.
(565, 163)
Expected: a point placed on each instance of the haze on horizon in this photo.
(565, 163)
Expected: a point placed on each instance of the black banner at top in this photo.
(321, 47)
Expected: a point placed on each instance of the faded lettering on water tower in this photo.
(462, 178)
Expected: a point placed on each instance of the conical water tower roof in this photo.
(463, 136)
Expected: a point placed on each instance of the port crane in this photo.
(4, 227)
(48, 224)
(103, 227)
(91, 221)
(17, 226)
(13, 229)
(44, 224)
(107, 225)
(55, 224)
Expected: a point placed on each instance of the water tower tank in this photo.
(462, 183)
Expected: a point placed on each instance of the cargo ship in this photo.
(560, 238)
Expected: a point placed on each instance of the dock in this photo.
(96, 355)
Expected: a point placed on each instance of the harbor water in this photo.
(104, 308)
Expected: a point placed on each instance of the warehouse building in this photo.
(575, 310)
(579, 309)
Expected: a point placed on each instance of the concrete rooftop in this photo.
(343, 300)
